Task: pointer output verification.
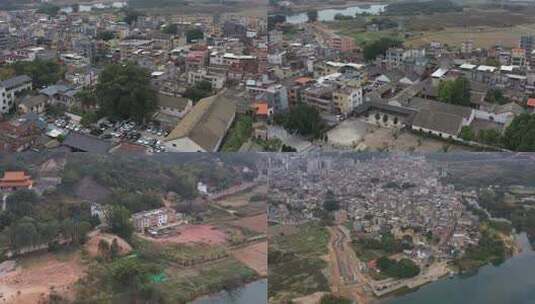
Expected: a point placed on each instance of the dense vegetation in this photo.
(404, 268)
(519, 136)
(331, 299)
(28, 222)
(124, 91)
(455, 91)
(295, 263)
(302, 119)
(42, 72)
(424, 7)
(238, 134)
(198, 91)
(379, 47)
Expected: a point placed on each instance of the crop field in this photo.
(296, 264)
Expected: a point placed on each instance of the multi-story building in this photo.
(153, 218)
(10, 89)
(216, 80)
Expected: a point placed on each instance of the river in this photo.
(328, 14)
(512, 282)
(255, 292)
(92, 6)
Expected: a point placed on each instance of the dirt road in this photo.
(346, 279)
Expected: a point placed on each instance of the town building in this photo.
(15, 180)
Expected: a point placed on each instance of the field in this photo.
(183, 285)
(296, 264)
(484, 25)
(36, 276)
(194, 234)
(257, 223)
(254, 256)
(483, 36)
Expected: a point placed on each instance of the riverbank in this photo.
(509, 282)
(252, 292)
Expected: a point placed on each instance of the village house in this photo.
(153, 218)
(15, 180)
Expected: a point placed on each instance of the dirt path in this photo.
(346, 279)
(254, 256)
(38, 276)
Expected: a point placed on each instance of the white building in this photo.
(10, 88)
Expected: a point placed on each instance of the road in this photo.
(346, 279)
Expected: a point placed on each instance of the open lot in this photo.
(483, 36)
(194, 234)
(257, 223)
(38, 275)
(360, 135)
(254, 256)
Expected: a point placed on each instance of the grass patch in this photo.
(295, 264)
(183, 286)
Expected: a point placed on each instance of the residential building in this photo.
(10, 89)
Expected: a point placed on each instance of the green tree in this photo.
(302, 119)
(131, 16)
(114, 249)
(332, 299)
(312, 16)
(379, 47)
(467, 133)
(455, 91)
(48, 9)
(42, 72)
(124, 91)
(171, 29)
(119, 222)
(519, 135)
(106, 35)
(22, 203)
(194, 34)
(490, 136)
(200, 90)
(496, 96)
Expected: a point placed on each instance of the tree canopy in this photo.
(124, 91)
(42, 72)
(194, 34)
(200, 90)
(379, 47)
(455, 91)
(302, 119)
(519, 135)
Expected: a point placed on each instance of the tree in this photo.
(379, 47)
(49, 9)
(23, 234)
(312, 16)
(519, 135)
(332, 299)
(124, 91)
(495, 95)
(87, 98)
(200, 90)
(330, 204)
(490, 136)
(455, 91)
(302, 119)
(119, 222)
(104, 248)
(106, 35)
(171, 29)
(131, 16)
(21, 203)
(42, 72)
(467, 133)
(114, 249)
(194, 34)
